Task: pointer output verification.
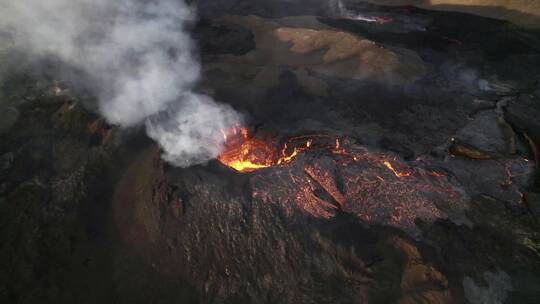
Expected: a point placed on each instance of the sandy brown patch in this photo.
(371, 59)
(523, 12)
(310, 49)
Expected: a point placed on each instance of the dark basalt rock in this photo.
(434, 30)
(523, 112)
(277, 8)
(488, 134)
(533, 203)
(223, 38)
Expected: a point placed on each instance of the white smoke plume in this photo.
(183, 133)
(140, 58)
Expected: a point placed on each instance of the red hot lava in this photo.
(245, 153)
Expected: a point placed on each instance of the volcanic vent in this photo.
(244, 152)
(323, 175)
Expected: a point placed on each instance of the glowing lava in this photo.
(396, 173)
(246, 153)
(377, 187)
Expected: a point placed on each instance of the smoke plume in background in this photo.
(139, 58)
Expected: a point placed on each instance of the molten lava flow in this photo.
(396, 173)
(376, 187)
(287, 157)
(245, 153)
(339, 176)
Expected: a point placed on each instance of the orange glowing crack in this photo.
(396, 173)
(245, 166)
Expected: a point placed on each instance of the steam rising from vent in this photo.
(138, 55)
(197, 119)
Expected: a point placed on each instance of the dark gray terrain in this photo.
(90, 213)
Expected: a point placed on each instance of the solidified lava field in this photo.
(378, 154)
